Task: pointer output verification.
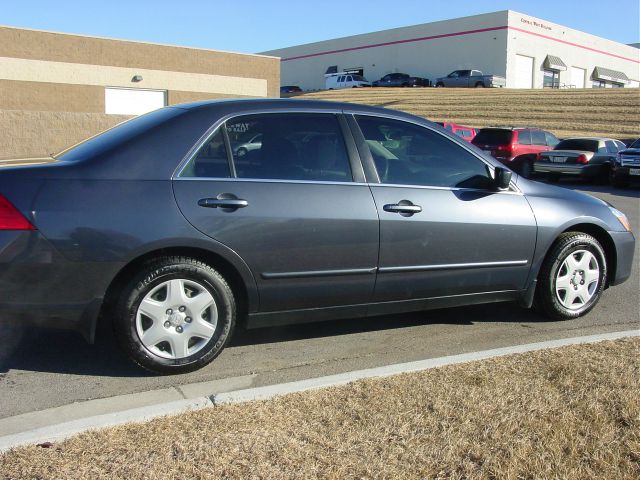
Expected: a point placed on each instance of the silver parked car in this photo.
(587, 157)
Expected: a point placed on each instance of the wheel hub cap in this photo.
(176, 319)
(577, 279)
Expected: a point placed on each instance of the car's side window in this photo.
(611, 146)
(210, 161)
(408, 154)
(524, 137)
(538, 138)
(552, 141)
(292, 146)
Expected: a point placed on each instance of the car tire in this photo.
(186, 329)
(439, 85)
(572, 277)
(526, 168)
(241, 152)
(479, 85)
(615, 181)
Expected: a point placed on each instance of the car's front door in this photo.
(297, 209)
(444, 229)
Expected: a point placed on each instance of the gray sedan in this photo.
(162, 229)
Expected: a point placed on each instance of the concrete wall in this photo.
(67, 68)
(429, 50)
(537, 38)
(28, 133)
(52, 85)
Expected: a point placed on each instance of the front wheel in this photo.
(175, 316)
(572, 276)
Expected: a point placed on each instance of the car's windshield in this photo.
(635, 144)
(493, 136)
(119, 134)
(582, 144)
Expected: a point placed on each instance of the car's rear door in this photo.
(444, 230)
(297, 209)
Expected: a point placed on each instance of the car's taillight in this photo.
(582, 158)
(11, 218)
(504, 150)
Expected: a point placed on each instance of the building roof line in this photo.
(574, 44)
(395, 42)
(97, 37)
(455, 34)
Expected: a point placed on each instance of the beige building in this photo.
(56, 88)
(530, 52)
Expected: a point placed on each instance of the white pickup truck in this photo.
(345, 80)
(470, 79)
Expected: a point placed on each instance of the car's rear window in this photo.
(117, 135)
(493, 136)
(578, 144)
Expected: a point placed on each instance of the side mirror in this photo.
(502, 178)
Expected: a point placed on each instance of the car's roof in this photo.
(287, 104)
(589, 138)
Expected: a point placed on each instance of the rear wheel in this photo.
(572, 276)
(526, 169)
(439, 85)
(479, 85)
(175, 316)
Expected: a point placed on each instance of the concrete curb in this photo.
(175, 407)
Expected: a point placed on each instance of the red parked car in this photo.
(467, 133)
(516, 147)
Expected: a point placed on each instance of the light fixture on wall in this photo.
(137, 78)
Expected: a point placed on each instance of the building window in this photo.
(551, 79)
(133, 101)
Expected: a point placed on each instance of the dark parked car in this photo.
(159, 228)
(516, 147)
(401, 80)
(290, 89)
(586, 157)
(626, 166)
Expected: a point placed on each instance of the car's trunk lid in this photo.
(565, 156)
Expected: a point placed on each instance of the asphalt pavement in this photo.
(42, 369)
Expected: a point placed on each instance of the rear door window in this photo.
(524, 137)
(611, 146)
(538, 138)
(293, 146)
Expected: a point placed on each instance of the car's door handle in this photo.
(403, 207)
(223, 201)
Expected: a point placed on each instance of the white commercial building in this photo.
(529, 52)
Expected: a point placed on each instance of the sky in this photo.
(252, 26)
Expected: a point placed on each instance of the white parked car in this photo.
(345, 80)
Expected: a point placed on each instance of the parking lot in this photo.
(44, 369)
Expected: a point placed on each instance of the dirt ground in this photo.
(569, 413)
(572, 112)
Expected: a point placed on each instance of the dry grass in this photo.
(599, 112)
(569, 413)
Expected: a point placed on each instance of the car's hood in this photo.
(630, 151)
(539, 189)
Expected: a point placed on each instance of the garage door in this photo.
(524, 72)
(131, 101)
(577, 77)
